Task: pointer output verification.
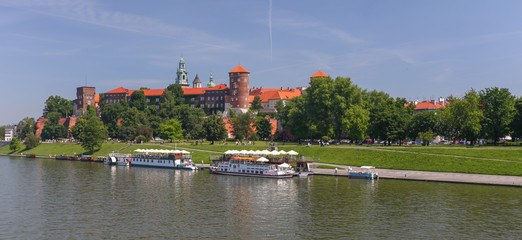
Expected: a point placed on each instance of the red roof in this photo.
(426, 105)
(239, 69)
(267, 94)
(119, 90)
(319, 74)
(197, 91)
(149, 92)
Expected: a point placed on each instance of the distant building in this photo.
(182, 74)
(85, 96)
(270, 96)
(211, 81)
(237, 100)
(319, 74)
(431, 105)
(9, 133)
(196, 83)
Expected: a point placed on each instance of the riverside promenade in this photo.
(514, 181)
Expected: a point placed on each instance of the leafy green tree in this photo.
(2, 132)
(426, 137)
(516, 124)
(145, 133)
(191, 120)
(389, 120)
(263, 128)
(14, 145)
(138, 100)
(170, 99)
(499, 109)
(295, 118)
(422, 122)
(110, 115)
(319, 105)
(171, 130)
(154, 124)
(347, 95)
(256, 104)
(93, 134)
(356, 122)
(214, 128)
(462, 118)
(126, 133)
(31, 141)
(242, 126)
(91, 112)
(58, 104)
(77, 129)
(53, 129)
(27, 125)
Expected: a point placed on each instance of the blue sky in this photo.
(411, 49)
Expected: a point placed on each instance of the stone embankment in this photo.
(514, 181)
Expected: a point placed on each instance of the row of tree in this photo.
(338, 109)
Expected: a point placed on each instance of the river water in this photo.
(52, 199)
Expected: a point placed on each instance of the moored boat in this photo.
(178, 159)
(255, 164)
(366, 172)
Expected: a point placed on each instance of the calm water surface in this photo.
(51, 199)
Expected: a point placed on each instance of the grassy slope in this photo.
(514, 154)
(45, 149)
(394, 160)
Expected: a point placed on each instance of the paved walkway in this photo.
(428, 176)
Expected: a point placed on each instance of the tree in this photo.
(318, 107)
(31, 141)
(499, 109)
(78, 128)
(462, 118)
(389, 120)
(191, 120)
(110, 116)
(14, 146)
(214, 128)
(356, 121)
(256, 104)
(2, 132)
(126, 133)
(171, 97)
(171, 130)
(422, 122)
(93, 134)
(426, 137)
(263, 128)
(91, 112)
(26, 126)
(242, 126)
(285, 136)
(138, 100)
(59, 105)
(347, 95)
(144, 133)
(53, 129)
(516, 124)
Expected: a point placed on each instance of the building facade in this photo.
(85, 96)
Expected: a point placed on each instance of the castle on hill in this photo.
(236, 96)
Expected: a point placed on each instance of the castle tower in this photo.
(196, 83)
(211, 81)
(181, 74)
(319, 74)
(238, 98)
(85, 96)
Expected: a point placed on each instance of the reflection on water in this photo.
(49, 199)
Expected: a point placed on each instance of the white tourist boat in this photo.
(255, 164)
(118, 159)
(178, 159)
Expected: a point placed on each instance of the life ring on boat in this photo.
(273, 167)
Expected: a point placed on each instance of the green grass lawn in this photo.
(514, 154)
(392, 160)
(46, 149)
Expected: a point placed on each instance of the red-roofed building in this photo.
(429, 105)
(319, 74)
(270, 96)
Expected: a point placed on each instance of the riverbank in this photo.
(484, 179)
